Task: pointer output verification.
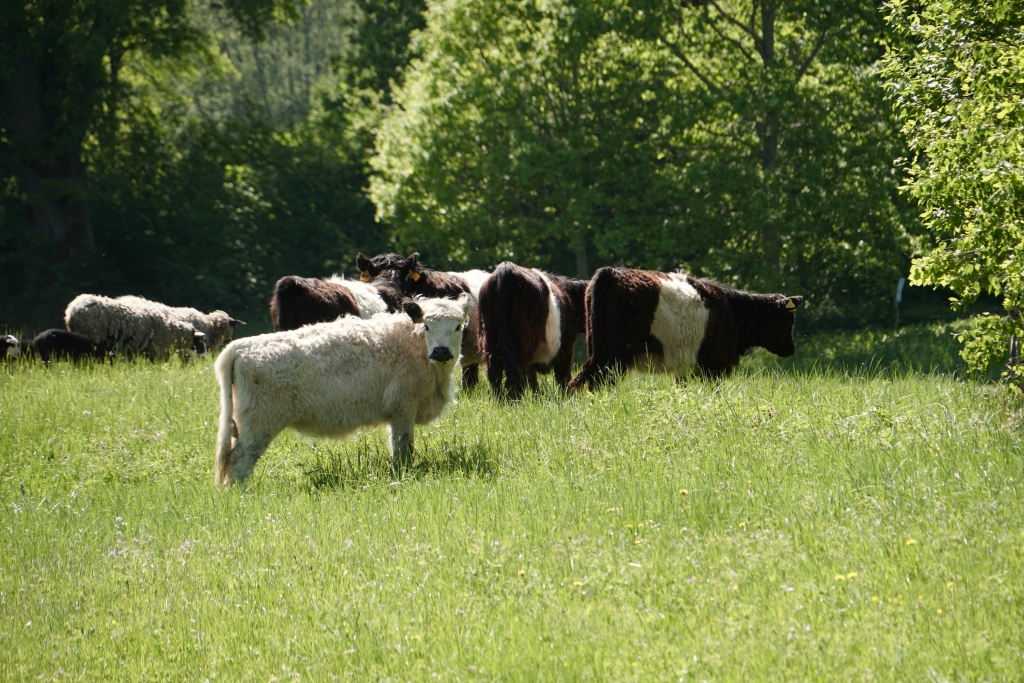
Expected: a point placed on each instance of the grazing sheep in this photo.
(330, 379)
(58, 344)
(218, 326)
(11, 347)
(136, 325)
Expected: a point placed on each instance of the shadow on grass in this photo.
(365, 464)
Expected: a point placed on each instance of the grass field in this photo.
(793, 522)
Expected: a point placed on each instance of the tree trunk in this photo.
(53, 180)
(769, 130)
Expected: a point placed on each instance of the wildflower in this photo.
(938, 611)
(874, 598)
(742, 524)
(522, 572)
(911, 541)
(949, 584)
(421, 563)
(735, 587)
(852, 575)
(577, 583)
(684, 492)
(840, 577)
(637, 542)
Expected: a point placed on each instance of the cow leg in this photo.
(562, 365)
(470, 376)
(248, 449)
(400, 434)
(515, 383)
(531, 378)
(495, 374)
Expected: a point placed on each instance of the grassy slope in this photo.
(833, 526)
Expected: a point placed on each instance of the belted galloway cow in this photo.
(677, 323)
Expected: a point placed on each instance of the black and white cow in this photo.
(299, 301)
(417, 280)
(528, 321)
(676, 323)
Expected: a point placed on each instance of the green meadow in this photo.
(856, 513)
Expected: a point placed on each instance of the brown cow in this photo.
(528, 320)
(299, 301)
(677, 323)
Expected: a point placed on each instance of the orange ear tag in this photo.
(364, 276)
(414, 275)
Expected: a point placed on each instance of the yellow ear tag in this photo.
(364, 276)
(790, 306)
(414, 275)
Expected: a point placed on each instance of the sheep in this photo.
(330, 379)
(136, 325)
(58, 344)
(218, 326)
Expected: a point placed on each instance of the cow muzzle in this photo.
(441, 354)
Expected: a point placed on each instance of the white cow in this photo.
(330, 379)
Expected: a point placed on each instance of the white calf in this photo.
(332, 378)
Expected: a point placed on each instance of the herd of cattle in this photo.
(347, 354)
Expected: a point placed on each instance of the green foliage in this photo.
(755, 148)
(769, 527)
(957, 79)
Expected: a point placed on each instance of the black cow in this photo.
(677, 323)
(299, 301)
(528, 322)
(417, 280)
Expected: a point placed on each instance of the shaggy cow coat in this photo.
(417, 280)
(136, 325)
(299, 301)
(675, 323)
(331, 379)
(528, 321)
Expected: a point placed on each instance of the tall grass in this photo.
(778, 525)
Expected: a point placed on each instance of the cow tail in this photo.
(225, 370)
(514, 370)
(595, 305)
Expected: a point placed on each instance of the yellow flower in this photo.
(874, 598)
(684, 492)
(742, 524)
(577, 583)
(522, 572)
(735, 587)
(637, 542)
(852, 575)
(938, 611)
(840, 577)
(911, 541)
(421, 563)
(949, 584)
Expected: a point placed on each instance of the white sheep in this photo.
(218, 326)
(137, 326)
(330, 379)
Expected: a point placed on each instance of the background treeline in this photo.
(194, 152)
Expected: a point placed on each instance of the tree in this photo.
(60, 81)
(956, 75)
(746, 140)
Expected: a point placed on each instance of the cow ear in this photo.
(364, 265)
(466, 301)
(413, 310)
(794, 302)
(235, 323)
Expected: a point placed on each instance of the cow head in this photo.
(775, 331)
(443, 321)
(392, 266)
